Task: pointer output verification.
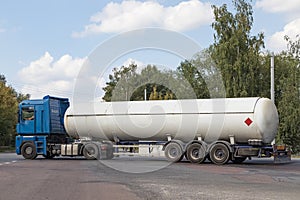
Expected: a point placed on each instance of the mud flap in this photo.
(106, 151)
(282, 154)
(282, 158)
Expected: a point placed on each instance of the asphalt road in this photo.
(145, 178)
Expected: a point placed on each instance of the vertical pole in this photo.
(272, 85)
(145, 94)
(272, 79)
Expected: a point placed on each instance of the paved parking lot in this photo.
(145, 178)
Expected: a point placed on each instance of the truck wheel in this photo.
(195, 153)
(173, 152)
(28, 150)
(239, 160)
(219, 154)
(90, 151)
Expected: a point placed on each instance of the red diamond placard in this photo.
(248, 121)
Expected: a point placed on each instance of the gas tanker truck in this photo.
(220, 130)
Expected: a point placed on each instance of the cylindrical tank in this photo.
(210, 119)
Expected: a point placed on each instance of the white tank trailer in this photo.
(218, 129)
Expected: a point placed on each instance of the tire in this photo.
(28, 150)
(219, 154)
(173, 152)
(195, 153)
(239, 160)
(90, 151)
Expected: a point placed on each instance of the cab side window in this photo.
(28, 113)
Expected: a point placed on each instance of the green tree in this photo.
(287, 94)
(194, 77)
(235, 51)
(154, 94)
(165, 83)
(203, 75)
(8, 110)
(118, 87)
(9, 100)
(130, 85)
(164, 94)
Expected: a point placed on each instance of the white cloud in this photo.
(277, 42)
(279, 6)
(290, 12)
(132, 14)
(46, 76)
(2, 30)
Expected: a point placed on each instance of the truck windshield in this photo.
(28, 113)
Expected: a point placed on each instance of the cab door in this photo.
(27, 120)
(39, 119)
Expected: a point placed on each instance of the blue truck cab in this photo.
(41, 131)
(40, 122)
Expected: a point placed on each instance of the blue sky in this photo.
(44, 43)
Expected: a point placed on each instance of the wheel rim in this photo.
(28, 150)
(91, 151)
(195, 154)
(173, 153)
(219, 154)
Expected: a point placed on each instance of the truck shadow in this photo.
(245, 163)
